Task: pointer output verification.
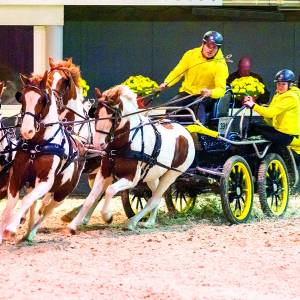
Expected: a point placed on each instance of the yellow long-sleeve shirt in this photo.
(283, 113)
(200, 72)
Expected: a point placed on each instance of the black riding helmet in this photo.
(213, 37)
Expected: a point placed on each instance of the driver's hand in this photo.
(248, 101)
(163, 86)
(205, 92)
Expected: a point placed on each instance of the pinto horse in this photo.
(6, 153)
(138, 149)
(64, 79)
(47, 158)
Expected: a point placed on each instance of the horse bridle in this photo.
(58, 94)
(116, 119)
(36, 117)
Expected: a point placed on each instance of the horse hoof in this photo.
(8, 235)
(131, 227)
(148, 225)
(69, 231)
(108, 218)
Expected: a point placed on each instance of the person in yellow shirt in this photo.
(282, 116)
(204, 72)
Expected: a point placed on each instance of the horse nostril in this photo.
(102, 145)
(30, 132)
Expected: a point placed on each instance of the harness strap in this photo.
(155, 153)
(72, 154)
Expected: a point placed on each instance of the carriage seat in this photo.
(222, 105)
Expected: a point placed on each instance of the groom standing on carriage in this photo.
(205, 71)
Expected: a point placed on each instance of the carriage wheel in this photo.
(273, 185)
(179, 201)
(236, 187)
(135, 200)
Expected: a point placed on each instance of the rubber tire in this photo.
(170, 204)
(224, 189)
(261, 184)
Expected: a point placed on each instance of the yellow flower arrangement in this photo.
(247, 86)
(141, 85)
(85, 87)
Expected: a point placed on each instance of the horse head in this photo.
(64, 79)
(111, 113)
(35, 102)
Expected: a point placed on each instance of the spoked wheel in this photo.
(135, 200)
(236, 187)
(273, 185)
(178, 201)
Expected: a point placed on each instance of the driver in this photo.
(204, 72)
(282, 116)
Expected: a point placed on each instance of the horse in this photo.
(47, 159)
(63, 78)
(138, 149)
(6, 152)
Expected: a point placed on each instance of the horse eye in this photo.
(18, 96)
(92, 112)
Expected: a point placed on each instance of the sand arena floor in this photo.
(195, 260)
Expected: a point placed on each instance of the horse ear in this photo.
(24, 79)
(69, 61)
(2, 86)
(43, 83)
(98, 93)
(51, 62)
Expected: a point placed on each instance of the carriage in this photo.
(228, 163)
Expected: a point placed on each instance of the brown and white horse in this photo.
(6, 153)
(64, 79)
(46, 158)
(137, 150)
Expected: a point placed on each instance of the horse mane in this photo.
(35, 79)
(68, 65)
(117, 92)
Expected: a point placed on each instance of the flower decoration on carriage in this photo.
(142, 86)
(247, 86)
(85, 87)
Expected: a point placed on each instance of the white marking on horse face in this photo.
(56, 78)
(103, 125)
(27, 128)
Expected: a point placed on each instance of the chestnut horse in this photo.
(47, 158)
(137, 150)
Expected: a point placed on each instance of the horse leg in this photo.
(98, 188)
(47, 209)
(113, 189)
(12, 199)
(153, 203)
(45, 201)
(69, 216)
(90, 212)
(39, 190)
